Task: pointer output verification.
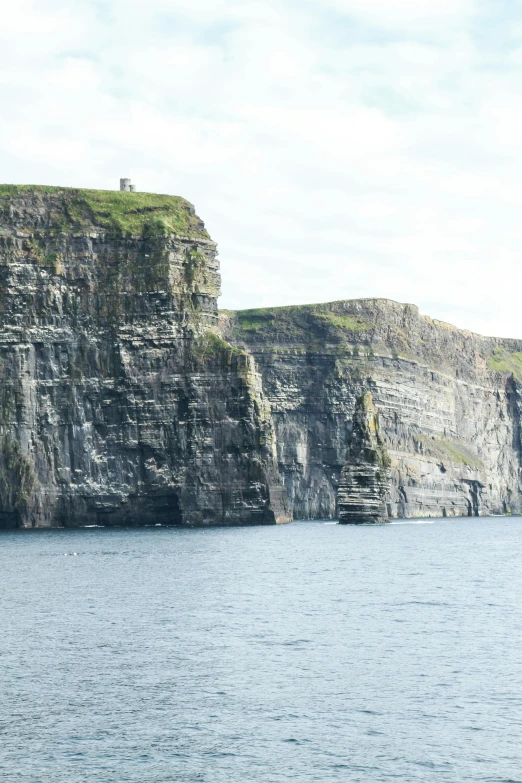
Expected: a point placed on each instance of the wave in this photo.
(416, 522)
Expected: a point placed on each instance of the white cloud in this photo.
(327, 161)
(397, 13)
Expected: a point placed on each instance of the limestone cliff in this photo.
(364, 485)
(449, 403)
(119, 401)
(123, 401)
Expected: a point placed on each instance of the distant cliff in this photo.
(449, 403)
(119, 401)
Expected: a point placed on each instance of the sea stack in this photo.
(365, 478)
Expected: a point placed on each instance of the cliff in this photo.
(126, 399)
(119, 401)
(449, 404)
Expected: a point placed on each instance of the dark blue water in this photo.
(309, 652)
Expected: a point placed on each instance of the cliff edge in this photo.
(126, 398)
(449, 404)
(120, 403)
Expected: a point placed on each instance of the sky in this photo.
(335, 149)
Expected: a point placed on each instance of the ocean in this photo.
(306, 652)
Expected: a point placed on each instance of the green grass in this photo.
(254, 321)
(300, 320)
(347, 323)
(211, 346)
(503, 361)
(138, 214)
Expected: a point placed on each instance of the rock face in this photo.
(449, 404)
(119, 401)
(123, 401)
(365, 478)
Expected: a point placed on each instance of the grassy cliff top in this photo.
(296, 319)
(354, 315)
(374, 326)
(126, 213)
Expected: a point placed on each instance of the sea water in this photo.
(307, 652)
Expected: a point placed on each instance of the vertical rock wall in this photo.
(123, 402)
(119, 402)
(448, 403)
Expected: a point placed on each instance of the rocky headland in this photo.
(449, 404)
(120, 403)
(127, 398)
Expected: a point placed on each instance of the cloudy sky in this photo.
(335, 148)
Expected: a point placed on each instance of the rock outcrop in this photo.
(120, 403)
(365, 478)
(449, 404)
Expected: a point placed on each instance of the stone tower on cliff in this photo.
(126, 185)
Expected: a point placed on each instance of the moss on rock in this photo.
(502, 360)
(211, 347)
(452, 451)
(301, 321)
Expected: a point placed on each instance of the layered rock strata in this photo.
(365, 478)
(123, 402)
(449, 404)
(119, 401)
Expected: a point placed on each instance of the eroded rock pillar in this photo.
(365, 478)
